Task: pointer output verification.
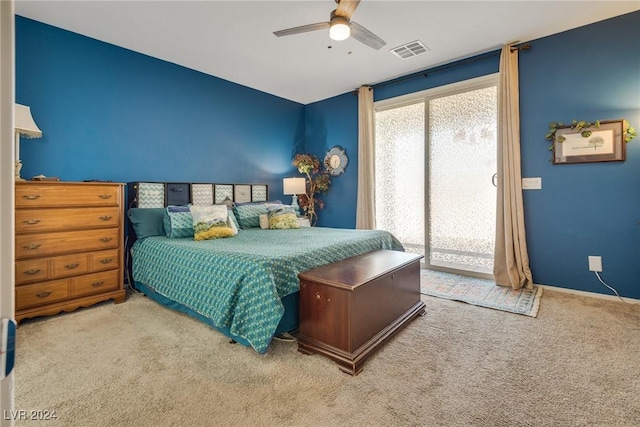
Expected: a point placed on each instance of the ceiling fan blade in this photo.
(346, 8)
(365, 36)
(302, 29)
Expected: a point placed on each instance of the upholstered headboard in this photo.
(161, 194)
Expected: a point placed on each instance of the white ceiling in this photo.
(234, 40)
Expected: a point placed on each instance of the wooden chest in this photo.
(69, 246)
(349, 308)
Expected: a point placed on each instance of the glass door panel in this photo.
(461, 161)
(399, 174)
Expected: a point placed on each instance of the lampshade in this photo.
(294, 186)
(24, 126)
(339, 29)
(24, 123)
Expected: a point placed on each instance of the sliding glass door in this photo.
(435, 167)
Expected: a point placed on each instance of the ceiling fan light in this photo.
(339, 29)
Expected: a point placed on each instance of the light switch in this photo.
(532, 183)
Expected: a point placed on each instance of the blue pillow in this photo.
(178, 222)
(147, 221)
(248, 214)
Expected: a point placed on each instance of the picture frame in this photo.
(222, 192)
(242, 193)
(590, 144)
(259, 192)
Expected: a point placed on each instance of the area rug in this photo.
(480, 292)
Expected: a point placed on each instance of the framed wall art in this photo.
(601, 142)
(242, 193)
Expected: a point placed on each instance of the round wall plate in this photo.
(336, 160)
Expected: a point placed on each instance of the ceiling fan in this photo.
(340, 26)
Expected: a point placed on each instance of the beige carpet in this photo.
(138, 364)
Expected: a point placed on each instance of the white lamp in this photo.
(25, 126)
(292, 187)
(339, 29)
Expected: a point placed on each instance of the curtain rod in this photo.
(425, 73)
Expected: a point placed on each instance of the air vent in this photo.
(410, 49)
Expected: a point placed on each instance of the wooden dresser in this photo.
(349, 308)
(69, 246)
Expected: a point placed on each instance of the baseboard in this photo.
(590, 294)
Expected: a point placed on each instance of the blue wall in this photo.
(331, 122)
(588, 73)
(112, 114)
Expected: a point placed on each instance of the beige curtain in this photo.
(365, 205)
(511, 260)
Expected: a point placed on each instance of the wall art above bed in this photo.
(161, 194)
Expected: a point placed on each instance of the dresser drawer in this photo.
(33, 270)
(66, 242)
(41, 293)
(69, 265)
(105, 260)
(28, 220)
(94, 283)
(66, 195)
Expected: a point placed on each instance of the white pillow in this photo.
(264, 221)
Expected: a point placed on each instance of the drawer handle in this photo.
(317, 295)
(32, 271)
(31, 221)
(106, 239)
(106, 217)
(106, 260)
(71, 266)
(43, 294)
(97, 284)
(32, 196)
(105, 196)
(32, 246)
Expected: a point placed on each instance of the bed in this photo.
(245, 286)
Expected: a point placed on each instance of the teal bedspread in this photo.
(238, 282)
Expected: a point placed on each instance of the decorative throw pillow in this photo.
(264, 221)
(282, 217)
(178, 222)
(210, 222)
(248, 214)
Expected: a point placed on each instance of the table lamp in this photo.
(292, 187)
(24, 126)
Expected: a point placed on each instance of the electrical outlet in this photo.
(595, 263)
